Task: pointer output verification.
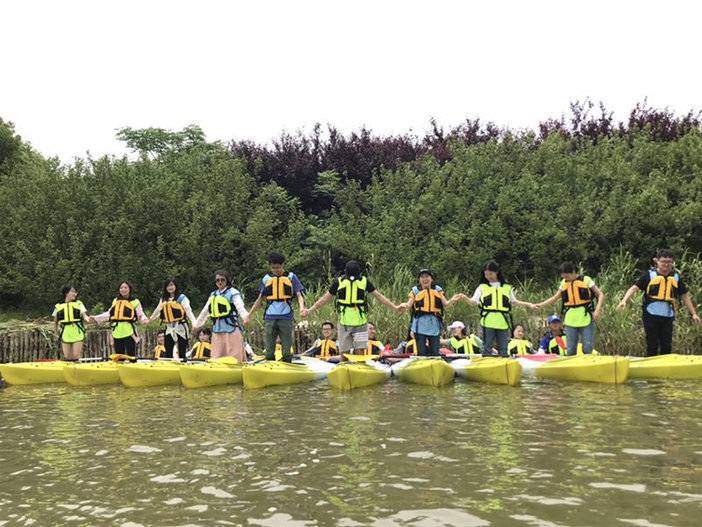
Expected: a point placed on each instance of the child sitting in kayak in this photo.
(553, 340)
(325, 347)
(518, 345)
(460, 342)
(203, 349)
(375, 346)
(160, 348)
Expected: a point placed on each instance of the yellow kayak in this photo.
(586, 368)
(359, 358)
(141, 374)
(213, 373)
(347, 376)
(426, 371)
(672, 366)
(275, 373)
(33, 372)
(90, 373)
(493, 370)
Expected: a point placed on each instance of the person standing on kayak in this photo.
(351, 290)
(662, 287)
(175, 312)
(123, 315)
(427, 301)
(578, 294)
(278, 289)
(225, 306)
(495, 297)
(69, 316)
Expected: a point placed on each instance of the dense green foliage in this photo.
(185, 207)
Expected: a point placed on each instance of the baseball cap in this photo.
(553, 318)
(457, 324)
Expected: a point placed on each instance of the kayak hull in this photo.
(354, 375)
(489, 370)
(33, 372)
(586, 368)
(144, 374)
(274, 373)
(91, 374)
(671, 366)
(428, 372)
(208, 374)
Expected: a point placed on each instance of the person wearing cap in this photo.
(495, 297)
(427, 302)
(460, 342)
(351, 290)
(662, 287)
(578, 294)
(552, 335)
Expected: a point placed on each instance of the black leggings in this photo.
(659, 334)
(125, 346)
(170, 343)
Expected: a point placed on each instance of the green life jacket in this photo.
(351, 301)
(463, 346)
(495, 306)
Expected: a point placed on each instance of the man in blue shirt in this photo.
(278, 289)
(662, 287)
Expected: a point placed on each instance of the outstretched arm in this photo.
(326, 297)
(549, 301)
(691, 307)
(627, 296)
(256, 304)
(383, 300)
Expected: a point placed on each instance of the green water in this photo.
(544, 454)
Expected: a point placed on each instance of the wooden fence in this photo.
(34, 344)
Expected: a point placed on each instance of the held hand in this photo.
(400, 307)
(537, 306)
(621, 306)
(245, 320)
(304, 312)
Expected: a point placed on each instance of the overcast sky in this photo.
(73, 72)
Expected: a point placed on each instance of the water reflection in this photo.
(543, 454)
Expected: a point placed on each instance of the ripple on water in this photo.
(643, 523)
(432, 518)
(543, 500)
(217, 493)
(143, 449)
(631, 487)
(643, 451)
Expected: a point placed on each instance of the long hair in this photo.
(131, 290)
(494, 267)
(166, 295)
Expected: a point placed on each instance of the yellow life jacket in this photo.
(495, 299)
(661, 288)
(122, 311)
(278, 288)
(374, 347)
(577, 294)
(202, 350)
(172, 311)
(463, 346)
(558, 345)
(220, 307)
(327, 348)
(429, 301)
(158, 350)
(519, 347)
(69, 313)
(351, 293)
(411, 347)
